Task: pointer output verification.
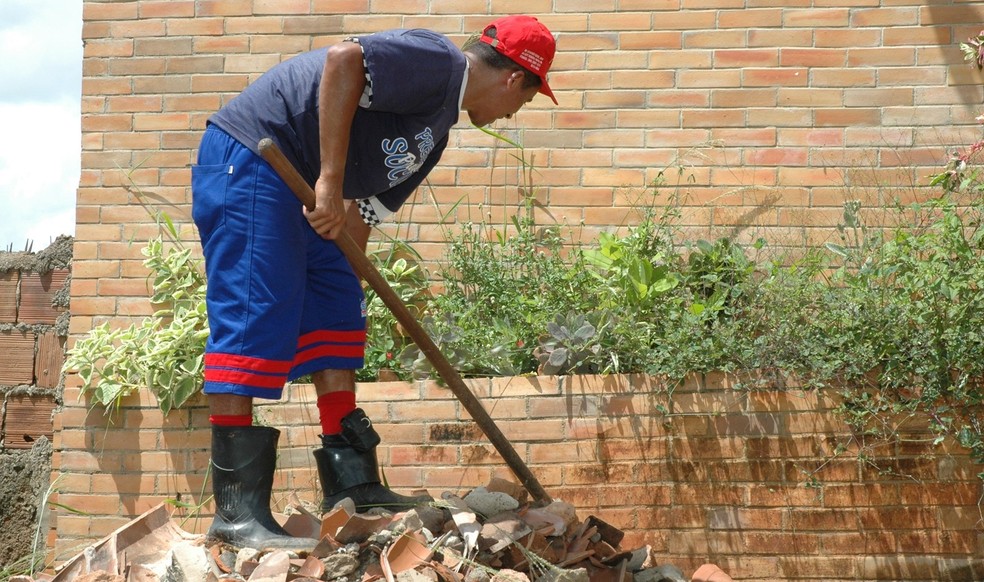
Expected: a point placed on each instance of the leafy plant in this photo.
(573, 344)
(165, 352)
(717, 275)
(446, 335)
(503, 282)
(628, 273)
(973, 50)
(911, 306)
(960, 174)
(398, 263)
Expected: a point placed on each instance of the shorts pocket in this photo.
(209, 186)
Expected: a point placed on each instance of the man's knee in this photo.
(326, 381)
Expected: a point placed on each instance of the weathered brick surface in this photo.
(9, 282)
(759, 500)
(48, 359)
(36, 294)
(17, 347)
(26, 419)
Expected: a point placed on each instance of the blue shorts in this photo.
(282, 302)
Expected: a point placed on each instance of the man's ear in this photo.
(515, 78)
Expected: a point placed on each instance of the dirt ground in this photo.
(24, 478)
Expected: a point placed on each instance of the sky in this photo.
(40, 93)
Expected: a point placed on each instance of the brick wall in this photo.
(33, 330)
(766, 483)
(778, 111)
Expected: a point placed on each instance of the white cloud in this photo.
(42, 47)
(39, 172)
(40, 86)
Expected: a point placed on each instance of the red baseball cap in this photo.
(527, 42)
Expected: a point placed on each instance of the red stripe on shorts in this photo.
(357, 336)
(247, 363)
(329, 351)
(243, 378)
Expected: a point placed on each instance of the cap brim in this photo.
(546, 90)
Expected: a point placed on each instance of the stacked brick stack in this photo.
(33, 352)
(33, 330)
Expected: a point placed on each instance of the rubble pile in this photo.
(492, 534)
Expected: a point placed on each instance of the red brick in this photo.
(847, 117)
(847, 38)
(100, 527)
(642, 496)
(775, 117)
(802, 57)
(706, 543)
(898, 568)
(710, 494)
(787, 77)
(785, 496)
(26, 419)
(925, 494)
(742, 136)
(970, 13)
(9, 281)
(426, 455)
(744, 98)
(750, 18)
(592, 473)
(37, 293)
(86, 462)
(885, 17)
(874, 57)
(816, 18)
(714, 118)
(708, 79)
(480, 455)
(457, 478)
(853, 495)
(827, 82)
(224, 7)
(72, 526)
(17, 347)
(824, 520)
(821, 567)
(756, 57)
(167, 9)
(49, 359)
(650, 40)
(921, 35)
(781, 543)
(109, 11)
(781, 37)
(867, 542)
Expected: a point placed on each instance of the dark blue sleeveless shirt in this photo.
(400, 129)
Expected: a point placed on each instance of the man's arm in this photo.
(342, 84)
(356, 226)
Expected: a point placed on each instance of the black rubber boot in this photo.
(348, 468)
(243, 461)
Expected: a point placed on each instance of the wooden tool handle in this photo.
(361, 264)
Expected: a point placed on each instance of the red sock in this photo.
(231, 420)
(332, 407)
